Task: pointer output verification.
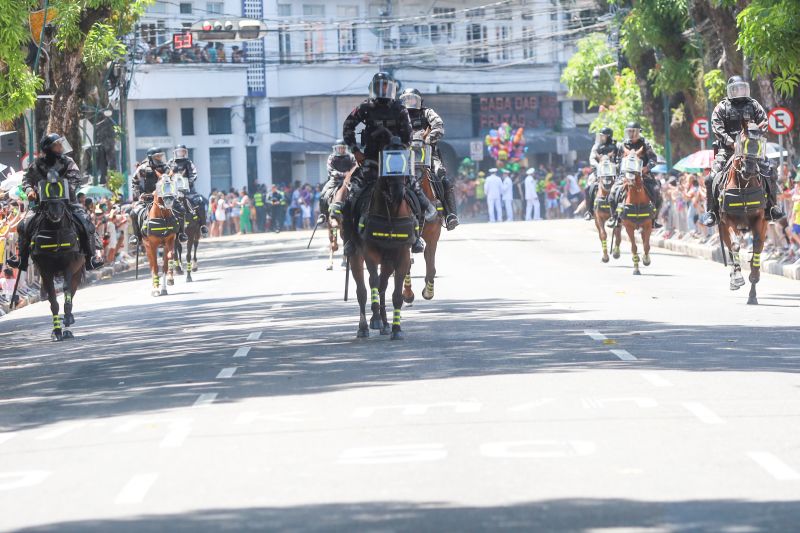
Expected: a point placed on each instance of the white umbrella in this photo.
(12, 181)
(774, 151)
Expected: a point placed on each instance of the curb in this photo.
(713, 252)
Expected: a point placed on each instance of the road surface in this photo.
(539, 391)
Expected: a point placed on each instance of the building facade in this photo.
(286, 102)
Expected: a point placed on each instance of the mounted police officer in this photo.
(383, 117)
(54, 149)
(340, 163)
(635, 142)
(144, 185)
(728, 119)
(426, 120)
(181, 164)
(605, 146)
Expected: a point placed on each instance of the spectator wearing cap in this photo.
(531, 198)
(507, 195)
(493, 188)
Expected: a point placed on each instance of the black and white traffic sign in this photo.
(780, 120)
(700, 128)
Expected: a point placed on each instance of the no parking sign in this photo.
(780, 121)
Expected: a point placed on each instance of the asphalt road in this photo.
(539, 391)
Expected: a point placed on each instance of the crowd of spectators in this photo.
(207, 53)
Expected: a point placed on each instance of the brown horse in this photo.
(333, 223)
(638, 211)
(606, 172)
(386, 235)
(742, 207)
(159, 230)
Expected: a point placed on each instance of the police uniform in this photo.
(144, 183)
(651, 185)
(259, 201)
(338, 167)
(608, 149)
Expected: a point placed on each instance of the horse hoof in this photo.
(57, 335)
(330, 267)
(409, 299)
(646, 260)
(637, 273)
(616, 254)
(170, 282)
(735, 286)
(179, 271)
(163, 292)
(376, 323)
(69, 319)
(752, 301)
(428, 295)
(386, 330)
(362, 334)
(68, 334)
(397, 336)
(155, 292)
(189, 278)
(194, 267)
(605, 259)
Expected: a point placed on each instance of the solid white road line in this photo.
(242, 351)
(655, 380)
(595, 335)
(625, 355)
(176, 436)
(5, 437)
(136, 489)
(777, 468)
(254, 336)
(61, 430)
(226, 372)
(703, 413)
(205, 399)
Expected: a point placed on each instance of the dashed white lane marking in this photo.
(226, 373)
(61, 430)
(5, 437)
(176, 436)
(777, 468)
(254, 336)
(136, 489)
(242, 351)
(655, 380)
(25, 478)
(625, 355)
(595, 335)
(703, 413)
(205, 399)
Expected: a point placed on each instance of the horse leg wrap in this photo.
(396, 318)
(375, 296)
(67, 298)
(407, 280)
(635, 259)
(56, 322)
(155, 281)
(429, 286)
(189, 266)
(756, 261)
(605, 246)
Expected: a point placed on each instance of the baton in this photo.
(14, 297)
(346, 277)
(137, 260)
(722, 247)
(312, 235)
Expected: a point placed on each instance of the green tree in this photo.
(18, 85)
(626, 107)
(591, 70)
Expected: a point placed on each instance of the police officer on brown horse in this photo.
(635, 142)
(144, 185)
(604, 147)
(728, 119)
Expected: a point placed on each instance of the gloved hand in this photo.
(359, 157)
(32, 195)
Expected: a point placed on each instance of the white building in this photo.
(285, 106)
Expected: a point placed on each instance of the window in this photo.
(150, 122)
(186, 8)
(314, 10)
(502, 37)
(442, 31)
(154, 33)
(528, 43)
(158, 7)
(284, 10)
(347, 39)
(279, 119)
(250, 119)
(477, 51)
(582, 106)
(219, 120)
(215, 8)
(220, 163)
(187, 121)
(347, 12)
(314, 43)
(284, 44)
(478, 12)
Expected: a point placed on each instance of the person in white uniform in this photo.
(493, 187)
(508, 195)
(531, 198)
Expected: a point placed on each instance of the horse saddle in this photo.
(638, 212)
(55, 241)
(160, 227)
(388, 232)
(741, 201)
(602, 204)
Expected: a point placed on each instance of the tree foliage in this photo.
(627, 107)
(588, 74)
(714, 82)
(769, 34)
(18, 85)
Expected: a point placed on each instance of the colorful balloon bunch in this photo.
(507, 147)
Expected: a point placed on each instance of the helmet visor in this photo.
(61, 147)
(159, 158)
(739, 89)
(633, 134)
(383, 88)
(411, 100)
(339, 149)
(181, 153)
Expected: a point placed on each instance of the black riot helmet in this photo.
(54, 145)
(411, 98)
(156, 157)
(180, 152)
(606, 135)
(383, 86)
(738, 88)
(633, 131)
(339, 147)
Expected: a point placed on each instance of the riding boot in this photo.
(451, 216)
(710, 218)
(773, 211)
(613, 202)
(182, 237)
(590, 195)
(136, 235)
(428, 209)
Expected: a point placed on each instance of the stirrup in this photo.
(419, 246)
(588, 216)
(775, 213)
(133, 240)
(451, 222)
(321, 218)
(93, 263)
(431, 213)
(204, 231)
(709, 219)
(183, 237)
(656, 225)
(612, 222)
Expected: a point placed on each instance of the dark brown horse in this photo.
(159, 231)
(638, 211)
(386, 235)
(606, 172)
(192, 229)
(742, 207)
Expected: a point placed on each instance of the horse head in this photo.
(166, 192)
(54, 211)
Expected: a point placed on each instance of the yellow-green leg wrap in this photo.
(396, 319)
